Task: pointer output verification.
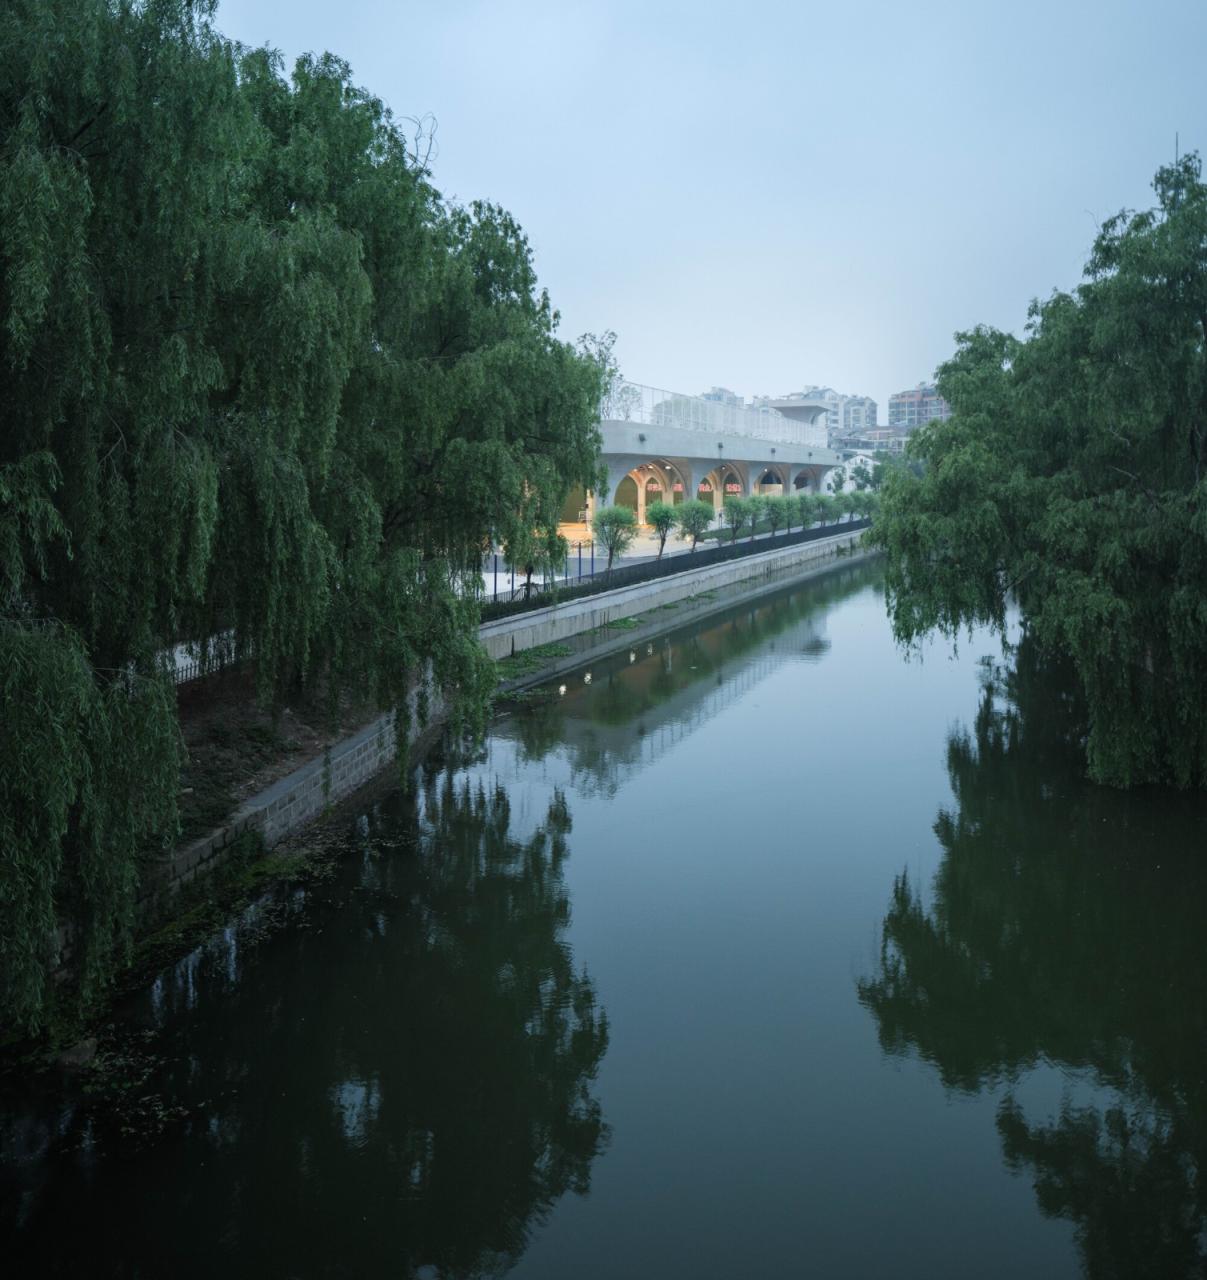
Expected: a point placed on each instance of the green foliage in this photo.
(615, 528)
(257, 376)
(864, 502)
(660, 516)
(775, 512)
(1071, 477)
(836, 479)
(531, 660)
(825, 507)
(887, 463)
(756, 511)
(735, 513)
(1043, 938)
(694, 519)
(862, 477)
(88, 769)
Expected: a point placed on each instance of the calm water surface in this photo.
(757, 951)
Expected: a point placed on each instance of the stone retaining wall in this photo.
(290, 803)
(555, 622)
(304, 794)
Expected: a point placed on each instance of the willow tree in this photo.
(1072, 477)
(1043, 940)
(259, 377)
(118, 219)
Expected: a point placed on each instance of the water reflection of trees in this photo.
(414, 1081)
(1066, 926)
(680, 682)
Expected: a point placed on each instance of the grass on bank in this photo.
(529, 661)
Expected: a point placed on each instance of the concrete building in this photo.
(845, 414)
(858, 414)
(910, 409)
(851, 460)
(672, 447)
(834, 404)
(808, 410)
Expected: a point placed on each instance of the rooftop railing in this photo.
(633, 402)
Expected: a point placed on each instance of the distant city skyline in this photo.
(739, 226)
(848, 413)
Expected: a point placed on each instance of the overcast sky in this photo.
(764, 195)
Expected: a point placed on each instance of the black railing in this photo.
(542, 594)
(196, 661)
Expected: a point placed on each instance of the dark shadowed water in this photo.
(757, 951)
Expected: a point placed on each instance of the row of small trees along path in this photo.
(616, 527)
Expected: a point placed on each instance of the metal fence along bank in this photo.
(592, 577)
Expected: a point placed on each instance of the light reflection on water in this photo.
(888, 989)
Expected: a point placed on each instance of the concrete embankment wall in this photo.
(303, 795)
(294, 800)
(561, 621)
(288, 804)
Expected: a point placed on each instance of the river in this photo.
(760, 950)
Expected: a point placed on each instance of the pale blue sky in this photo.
(764, 195)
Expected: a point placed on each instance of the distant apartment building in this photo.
(843, 415)
(858, 414)
(722, 395)
(910, 409)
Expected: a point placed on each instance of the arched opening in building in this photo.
(770, 482)
(648, 483)
(574, 509)
(626, 492)
(674, 487)
(731, 483)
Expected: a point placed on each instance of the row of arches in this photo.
(663, 480)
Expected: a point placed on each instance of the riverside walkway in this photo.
(587, 559)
